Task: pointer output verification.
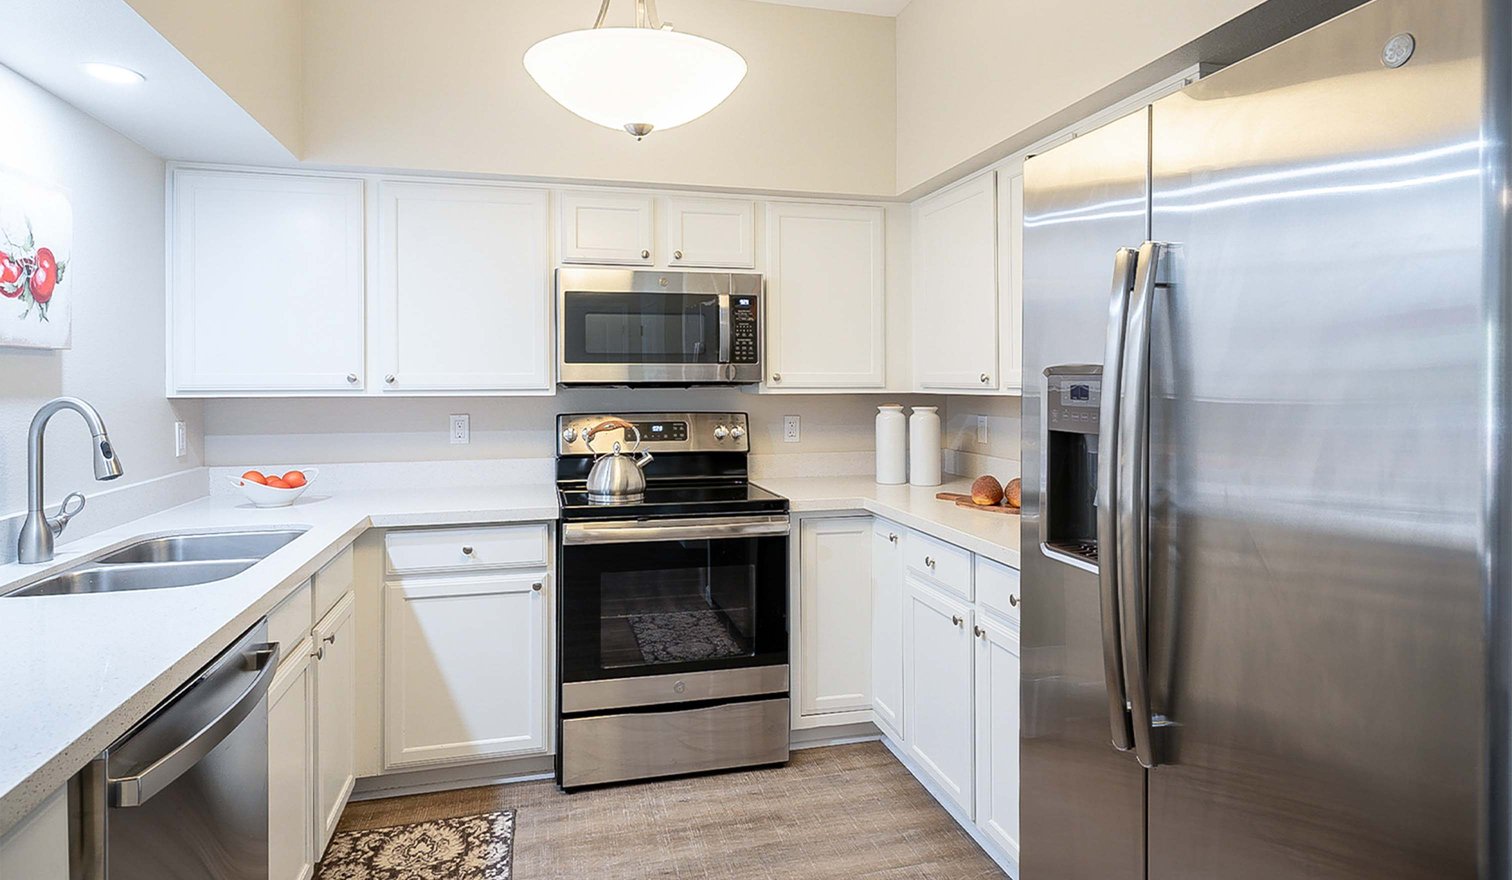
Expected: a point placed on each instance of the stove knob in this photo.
(737, 432)
(721, 432)
(570, 435)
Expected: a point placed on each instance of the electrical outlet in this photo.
(790, 429)
(461, 430)
(180, 439)
(981, 429)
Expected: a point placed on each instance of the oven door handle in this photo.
(693, 529)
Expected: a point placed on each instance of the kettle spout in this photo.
(642, 459)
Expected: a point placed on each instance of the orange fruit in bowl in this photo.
(277, 483)
(295, 479)
(255, 477)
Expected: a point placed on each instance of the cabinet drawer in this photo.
(332, 582)
(521, 546)
(997, 588)
(292, 619)
(946, 565)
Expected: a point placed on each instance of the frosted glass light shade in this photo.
(635, 79)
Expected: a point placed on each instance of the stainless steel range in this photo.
(672, 643)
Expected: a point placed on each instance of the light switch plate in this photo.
(180, 439)
(461, 429)
(790, 429)
(981, 430)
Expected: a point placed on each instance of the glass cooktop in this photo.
(724, 498)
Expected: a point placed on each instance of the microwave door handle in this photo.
(1125, 261)
(1133, 501)
(724, 328)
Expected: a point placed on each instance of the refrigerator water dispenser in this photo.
(1073, 399)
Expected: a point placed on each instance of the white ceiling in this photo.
(178, 113)
(869, 7)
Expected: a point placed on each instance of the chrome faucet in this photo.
(37, 533)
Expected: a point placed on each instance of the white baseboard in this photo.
(994, 852)
(451, 778)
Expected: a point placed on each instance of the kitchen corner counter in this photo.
(993, 535)
(77, 671)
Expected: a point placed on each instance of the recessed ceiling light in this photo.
(113, 73)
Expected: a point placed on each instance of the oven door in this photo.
(661, 337)
(697, 602)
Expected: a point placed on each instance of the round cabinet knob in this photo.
(986, 378)
(390, 379)
(776, 377)
(929, 562)
(677, 255)
(721, 432)
(351, 378)
(980, 633)
(957, 619)
(330, 639)
(537, 586)
(645, 255)
(892, 538)
(736, 432)
(1013, 600)
(569, 435)
(467, 550)
(318, 653)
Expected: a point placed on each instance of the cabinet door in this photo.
(834, 591)
(291, 767)
(938, 695)
(1010, 230)
(464, 287)
(997, 732)
(335, 716)
(266, 284)
(464, 668)
(887, 627)
(955, 288)
(826, 297)
(711, 232)
(606, 228)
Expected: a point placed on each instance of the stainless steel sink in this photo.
(159, 563)
(200, 548)
(139, 576)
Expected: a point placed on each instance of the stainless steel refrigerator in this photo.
(1263, 453)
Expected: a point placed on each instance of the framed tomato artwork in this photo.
(36, 245)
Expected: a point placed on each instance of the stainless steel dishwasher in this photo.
(184, 794)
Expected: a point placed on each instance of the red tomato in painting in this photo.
(10, 270)
(45, 277)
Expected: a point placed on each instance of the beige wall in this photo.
(1000, 454)
(252, 49)
(441, 87)
(973, 73)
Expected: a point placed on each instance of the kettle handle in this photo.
(605, 425)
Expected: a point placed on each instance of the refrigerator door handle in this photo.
(1132, 500)
(1125, 261)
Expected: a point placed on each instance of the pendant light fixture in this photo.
(639, 79)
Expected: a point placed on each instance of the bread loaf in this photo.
(987, 490)
(1013, 496)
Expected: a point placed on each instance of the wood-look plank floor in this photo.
(838, 812)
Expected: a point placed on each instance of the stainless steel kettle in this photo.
(616, 477)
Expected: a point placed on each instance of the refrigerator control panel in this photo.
(1074, 402)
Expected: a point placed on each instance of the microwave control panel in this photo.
(743, 322)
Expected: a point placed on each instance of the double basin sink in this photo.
(158, 563)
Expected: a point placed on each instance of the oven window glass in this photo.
(641, 328)
(670, 606)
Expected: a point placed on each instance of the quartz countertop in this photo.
(993, 535)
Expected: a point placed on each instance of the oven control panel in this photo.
(659, 432)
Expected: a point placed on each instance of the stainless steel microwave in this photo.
(630, 327)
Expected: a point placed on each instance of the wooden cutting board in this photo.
(965, 501)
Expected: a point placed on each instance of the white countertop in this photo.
(993, 535)
(77, 671)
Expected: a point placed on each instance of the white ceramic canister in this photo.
(924, 446)
(892, 445)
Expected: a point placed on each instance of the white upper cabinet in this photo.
(614, 228)
(717, 233)
(464, 288)
(955, 291)
(266, 283)
(826, 300)
(1010, 230)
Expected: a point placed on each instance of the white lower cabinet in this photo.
(833, 616)
(938, 695)
(291, 766)
(38, 847)
(335, 642)
(464, 668)
(887, 628)
(997, 732)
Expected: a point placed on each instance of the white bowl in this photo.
(268, 496)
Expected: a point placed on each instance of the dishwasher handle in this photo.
(138, 787)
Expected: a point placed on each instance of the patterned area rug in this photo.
(678, 636)
(477, 847)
